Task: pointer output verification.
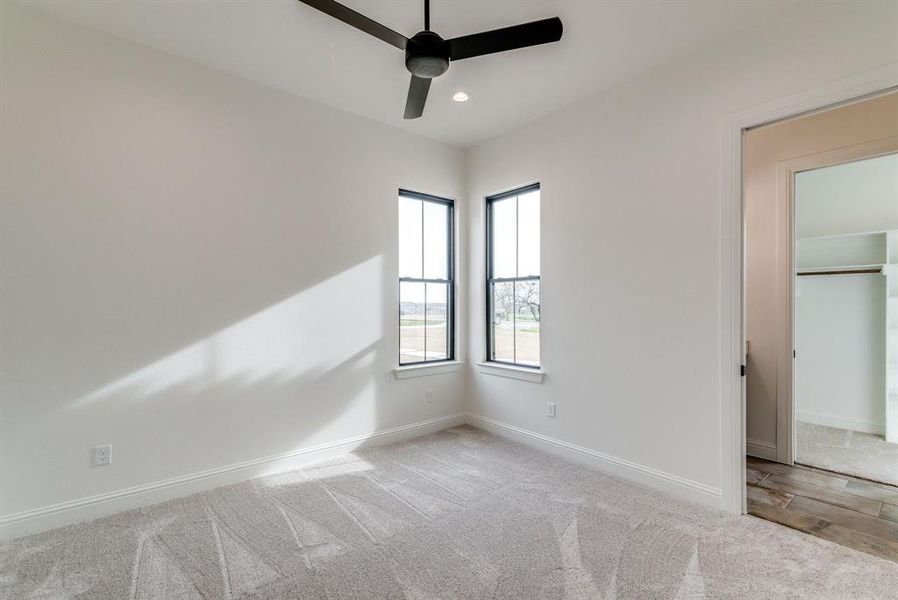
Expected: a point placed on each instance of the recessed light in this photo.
(461, 96)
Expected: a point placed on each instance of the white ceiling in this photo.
(290, 46)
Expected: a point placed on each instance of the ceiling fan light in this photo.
(461, 96)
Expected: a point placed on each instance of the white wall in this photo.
(195, 268)
(840, 342)
(854, 197)
(632, 237)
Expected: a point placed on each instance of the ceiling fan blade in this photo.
(359, 21)
(507, 38)
(417, 96)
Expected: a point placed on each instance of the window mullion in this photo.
(422, 240)
(510, 279)
(423, 280)
(425, 322)
(425, 283)
(514, 322)
(517, 245)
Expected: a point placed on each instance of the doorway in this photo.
(821, 232)
(846, 316)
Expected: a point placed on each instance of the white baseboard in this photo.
(840, 423)
(65, 513)
(759, 449)
(612, 465)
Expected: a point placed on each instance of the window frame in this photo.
(491, 280)
(450, 283)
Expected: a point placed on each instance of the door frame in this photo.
(732, 341)
(785, 317)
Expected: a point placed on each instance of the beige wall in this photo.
(766, 270)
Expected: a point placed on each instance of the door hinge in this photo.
(742, 370)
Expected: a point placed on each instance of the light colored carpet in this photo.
(860, 454)
(457, 514)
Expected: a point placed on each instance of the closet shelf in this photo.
(837, 268)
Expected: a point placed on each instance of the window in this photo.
(426, 279)
(512, 277)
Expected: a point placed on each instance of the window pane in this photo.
(503, 227)
(410, 237)
(502, 323)
(526, 329)
(436, 248)
(411, 322)
(437, 343)
(528, 234)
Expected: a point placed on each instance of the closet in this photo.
(846, 321)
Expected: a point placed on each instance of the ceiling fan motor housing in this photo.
(427, 55)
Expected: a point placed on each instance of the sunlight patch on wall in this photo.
(304, 336)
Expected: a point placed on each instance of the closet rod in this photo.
(839, 272)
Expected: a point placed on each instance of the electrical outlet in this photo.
(431, 394)
(103, 455)
(550, 410)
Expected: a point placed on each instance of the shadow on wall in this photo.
(305, 370)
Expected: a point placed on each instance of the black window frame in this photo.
(450, 282)
(491, 280)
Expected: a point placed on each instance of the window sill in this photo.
(522, 373)
(424, 370)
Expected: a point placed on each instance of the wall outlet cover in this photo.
(103, 455)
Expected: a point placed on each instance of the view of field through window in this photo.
(425, 307)
(514, 278)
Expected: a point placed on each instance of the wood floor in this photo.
(853, 512)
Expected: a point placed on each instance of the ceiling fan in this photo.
(427, 55)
